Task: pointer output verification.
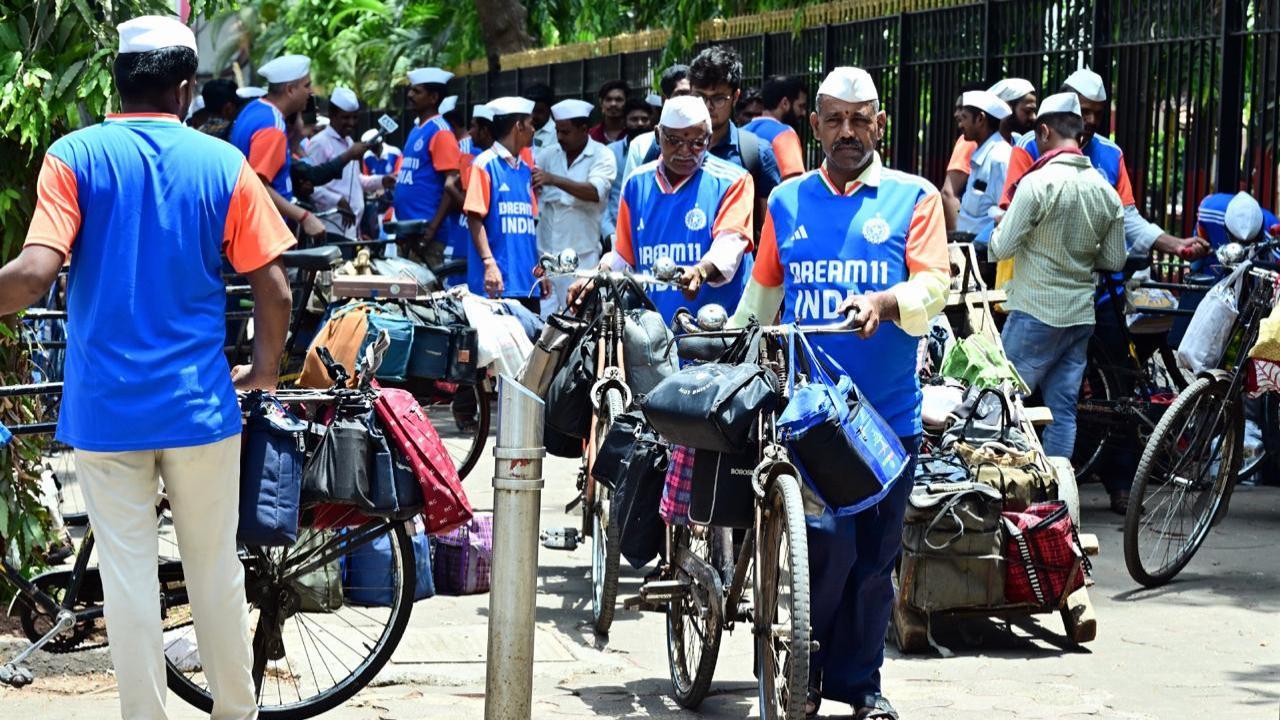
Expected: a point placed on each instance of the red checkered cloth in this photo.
(1044, 559)
(678, 488)
(1263, 377)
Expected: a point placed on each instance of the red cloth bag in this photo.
(1044, 559)
(447, 506)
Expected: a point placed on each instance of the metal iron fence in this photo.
(1195, 84)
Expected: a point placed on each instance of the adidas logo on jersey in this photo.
(640, 226)
(799, 234)
(503, 188)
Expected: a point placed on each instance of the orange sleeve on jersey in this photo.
(1123, 187)
(962, 156)
(1019, 163)
(56, 220)
(622, 236)
(399, 162)
(786, 148)
(927, 236)
(526, 154)
(445, 153)
(768, 267)
(737, 209)
(267, 149)
(477, 199)
(255, 234)
(464, 170)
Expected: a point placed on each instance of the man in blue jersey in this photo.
(786, 105)
(855, 237)
(261, 134)
(502, 209)
(146, 209)
(428, 187)
(687, 206)
(674, 82)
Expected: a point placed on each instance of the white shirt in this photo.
(565, 221)
(544, 138)
(980, 203)
(352, 186)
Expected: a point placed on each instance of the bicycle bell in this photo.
(664, 268)
(1232, 253)
(568, 260)
(712, 317)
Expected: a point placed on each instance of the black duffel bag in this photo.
(560, 335)
(611, 459)
(713, 406)
(338, 470)
(721, 492)
(569, 409)
(445, 347)
(636, 497)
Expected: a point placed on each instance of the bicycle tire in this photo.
(605, 546)
(1202, 400)
(690, 682)
(402, 548)
(783, 520)
(1093, 434)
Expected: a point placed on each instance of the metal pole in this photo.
(517, 496)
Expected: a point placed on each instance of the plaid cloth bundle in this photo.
(678, 488)
(463, 557)
(1044, 559)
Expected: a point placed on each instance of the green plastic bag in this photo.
(979, 362)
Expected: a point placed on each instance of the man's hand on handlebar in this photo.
(246, 378)
(311, 226)
(863, 313)
(1192, 248)
(388, 182)
(691, 279)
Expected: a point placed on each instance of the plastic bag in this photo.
(1210, 329)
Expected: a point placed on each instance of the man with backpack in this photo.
(145, 208)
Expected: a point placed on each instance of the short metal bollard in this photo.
(517, 497)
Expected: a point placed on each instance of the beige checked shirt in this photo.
(1065, 221)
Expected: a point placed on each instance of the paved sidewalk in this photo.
(1203, 647)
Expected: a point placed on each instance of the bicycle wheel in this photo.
(693, 622)
(461, 418)
(605, 536)
(781, 591)
(317, 640)
(1096, 421)
(1187, 467)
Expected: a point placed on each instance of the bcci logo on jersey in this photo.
(876, 230)
(695, 219)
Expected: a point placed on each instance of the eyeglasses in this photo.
(696, 145)
(715, 102)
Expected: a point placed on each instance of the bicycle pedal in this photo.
(663, 591)
(15, 676)
(567, 538)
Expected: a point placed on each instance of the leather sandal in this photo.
(1120, 502)
(812, 702)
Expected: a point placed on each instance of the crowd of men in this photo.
(707, 174)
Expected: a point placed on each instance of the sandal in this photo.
(877, 709)
(812, 702)
(1120, 502)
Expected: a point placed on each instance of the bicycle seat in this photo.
(1135, 264)
(406, 228)
(314, 259)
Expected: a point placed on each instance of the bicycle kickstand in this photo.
(14, 673)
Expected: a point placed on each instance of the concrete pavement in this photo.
(1204, 646)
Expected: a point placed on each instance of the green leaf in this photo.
(69, 76)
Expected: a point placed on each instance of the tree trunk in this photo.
(503, 24)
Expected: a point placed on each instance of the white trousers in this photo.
(202, 484)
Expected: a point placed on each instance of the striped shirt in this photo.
(1065, 220)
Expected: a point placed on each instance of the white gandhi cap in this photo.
(153, 32)
(344, 99)
(684, 112)
(449, 104)
(1067, 102)
(369, 135)
(571, 109)
(511, 106)
(482, 111)
(654, 99)
(286, 68)
(248, 92)
(1010, 89)
(1088, 83)
(849, 84)
(987, 102)
(429, 76)
(1243, 217)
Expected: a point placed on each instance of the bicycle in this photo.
(608, 297)
(774, 553)
(1193, 460)
(61, 610)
